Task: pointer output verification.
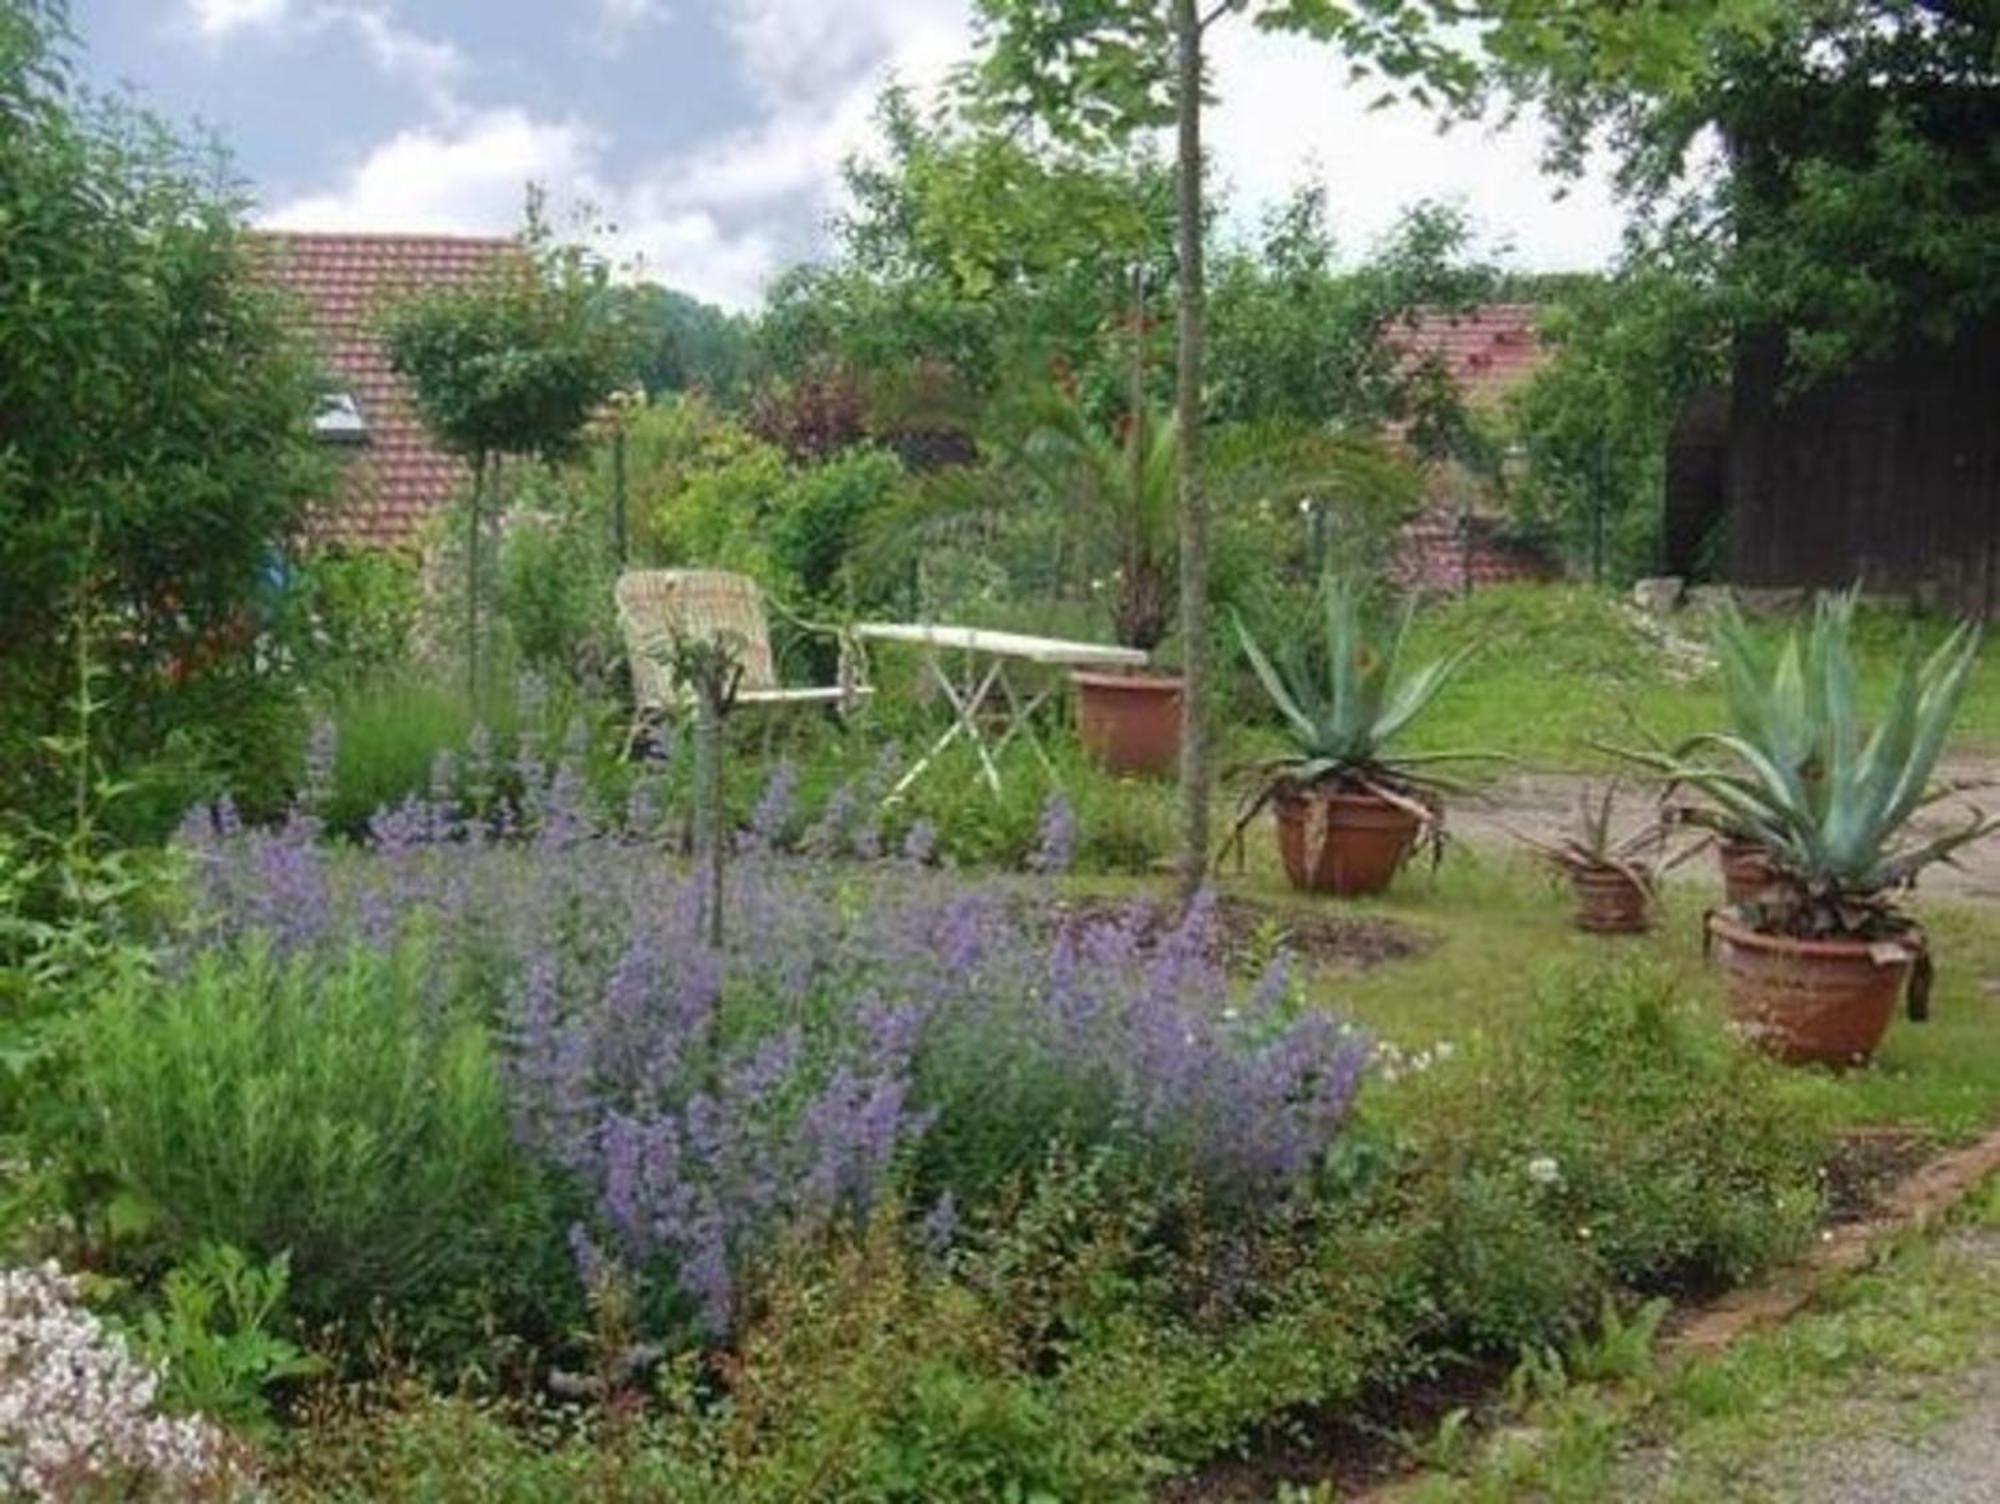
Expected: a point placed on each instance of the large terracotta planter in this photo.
(1811, 1001)
(1349, 844)
(1610, 901)
(1130, 723)
(1747, 872)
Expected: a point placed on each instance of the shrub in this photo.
(332, 1109)
(706, 1108)
(1626, 1141)
(159, 448)
(354, 613)
(819, 518)
(557, 570)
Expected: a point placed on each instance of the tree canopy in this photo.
(1827, 169)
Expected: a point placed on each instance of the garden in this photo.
(472, 1030)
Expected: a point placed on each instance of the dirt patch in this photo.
(1868, 1163)
(1543, 804)
(1354, 1450)
(1247, 933)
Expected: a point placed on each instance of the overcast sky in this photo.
(711, 131)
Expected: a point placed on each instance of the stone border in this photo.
(1921, 1200)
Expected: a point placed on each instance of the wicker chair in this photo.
(658, 606)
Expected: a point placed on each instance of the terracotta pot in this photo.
(1131, 723)
(1811, 1001)
(1348, 844)
(1746, 871)
(1609, 901)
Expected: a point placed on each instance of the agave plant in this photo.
(1593, 842)
(1830, 806)
(1344, 702)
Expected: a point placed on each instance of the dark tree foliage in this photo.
(681, 343)
(156, 449)
(1856, 199)
(1853, 207)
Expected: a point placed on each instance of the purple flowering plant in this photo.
(868, 1033)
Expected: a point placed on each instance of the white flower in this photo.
(1543, 1170)
(76, 1407)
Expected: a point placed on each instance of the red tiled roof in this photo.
(1487, 351)
(399, 478)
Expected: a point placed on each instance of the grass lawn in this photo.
(1883, 1389)
(1496, 928)
(1559, 668)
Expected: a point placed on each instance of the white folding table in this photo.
(982, 658)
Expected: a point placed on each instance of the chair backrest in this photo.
(656, 606)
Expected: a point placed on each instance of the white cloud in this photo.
(719, 215)
(1287, 111)
(216, 19)
(434, 68)
(617, 20)
(470, 176)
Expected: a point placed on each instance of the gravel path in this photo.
(1899, 1437)
(1959, 1461)
(1545, 804)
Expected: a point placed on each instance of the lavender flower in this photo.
(1055, 838)
(774, 806)
(920, 843)
(704, 1106)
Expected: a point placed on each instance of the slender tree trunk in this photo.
(472, 540)
(1195, 771)
(710, 827)
(618, 541)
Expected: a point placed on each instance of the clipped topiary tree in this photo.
(512, 364)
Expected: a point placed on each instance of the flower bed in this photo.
(918, 1187)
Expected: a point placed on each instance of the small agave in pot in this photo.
(1350, 808)
(1615, 875)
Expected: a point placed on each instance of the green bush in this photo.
(557, 570)
(818, 519)
(1626, 1142)
(354, 612)
(159, 448)
(344, 1119)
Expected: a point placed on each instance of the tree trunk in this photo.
(1195, 772)
(710, 827)
(472, 581)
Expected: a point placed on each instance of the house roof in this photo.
(1487, 351)
(397, 478)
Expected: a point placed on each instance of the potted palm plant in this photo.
(1349, 808)
(1122, 483)
(1816, 960)
(1615, 876)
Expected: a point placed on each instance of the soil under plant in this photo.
(1366, 1445)
(1248, 933)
